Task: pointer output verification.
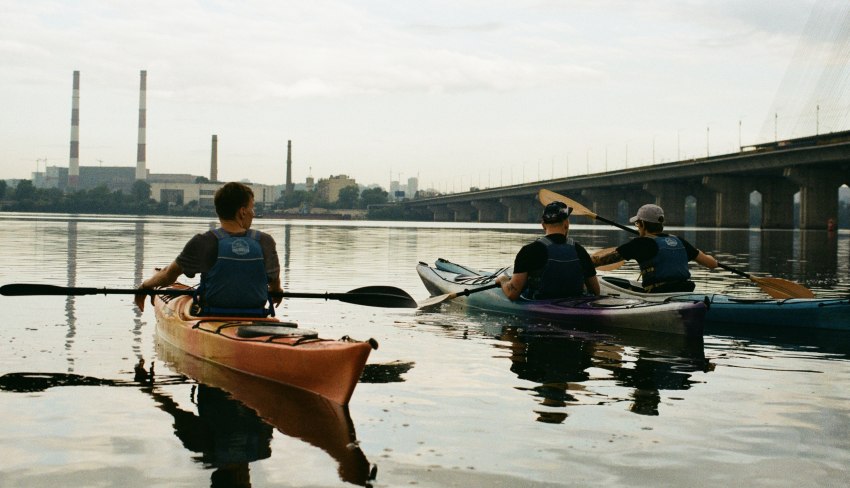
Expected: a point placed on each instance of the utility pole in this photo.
(776, 127)
(817, 120)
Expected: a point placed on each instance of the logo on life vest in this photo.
(671, 241)
(240, 247)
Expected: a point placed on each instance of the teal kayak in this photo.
(679, 317)
(807, 313)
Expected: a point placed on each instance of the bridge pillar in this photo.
(818, 194)
(489, 210)
(521, 209)
(442, 213)
(671, 197)
(731, 200)
(463, 212)
(604, 202)
(777, 203)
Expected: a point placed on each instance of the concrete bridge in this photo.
(717, 189)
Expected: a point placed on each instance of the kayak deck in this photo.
(806, 313)
(265, 347)
(631, 313)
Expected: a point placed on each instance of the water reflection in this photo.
(70, 312)
(234, 413)
(567, 366)
(138, 277)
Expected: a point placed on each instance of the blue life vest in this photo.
(237, 284)
(561, 277)
(669, 265)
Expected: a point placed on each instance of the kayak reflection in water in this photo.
(238, 412)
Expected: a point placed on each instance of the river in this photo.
(447, 399)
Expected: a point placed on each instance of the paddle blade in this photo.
(546, 197)
(386, 290)
(370, 299)
(436, 300)
(610, 267)
(782, 288)
(24, 289)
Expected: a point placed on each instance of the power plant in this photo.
(141, 171)
(178, 189)
(74, 162)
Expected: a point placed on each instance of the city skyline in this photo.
(456, 95)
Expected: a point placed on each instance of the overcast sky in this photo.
(459, 93)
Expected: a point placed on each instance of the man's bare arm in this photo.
(607, 258)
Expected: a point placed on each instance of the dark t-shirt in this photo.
(201, 252)
(533, 256)
(644, 248)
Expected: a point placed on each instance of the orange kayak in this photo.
(265, 347)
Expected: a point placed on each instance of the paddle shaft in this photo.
(379, 296)
(448, 296)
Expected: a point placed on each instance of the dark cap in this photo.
(556, 212)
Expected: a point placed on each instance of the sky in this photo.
(457, 93)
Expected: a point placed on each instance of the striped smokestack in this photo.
(214, 159)
(74, 162)
(289, 185)
(141, 170)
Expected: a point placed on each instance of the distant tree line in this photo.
(25, 197)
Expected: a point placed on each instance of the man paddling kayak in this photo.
(552, 266)
(238, 265)
(663, 258)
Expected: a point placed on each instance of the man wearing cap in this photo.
(552, 266)
(663, 258)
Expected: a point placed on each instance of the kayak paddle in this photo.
(371, 296)
(448, 296)
(775, 287)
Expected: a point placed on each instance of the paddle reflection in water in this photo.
(258, 404)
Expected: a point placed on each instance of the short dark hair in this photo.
(652, 227)
(230, 198)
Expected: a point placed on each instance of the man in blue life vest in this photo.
(553, 266)
(238, 265)
(663, 258)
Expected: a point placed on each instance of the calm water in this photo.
(448, 399)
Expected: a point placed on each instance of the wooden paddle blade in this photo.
(782, 288)
(546, 197)
(611, 267)
(436, 300)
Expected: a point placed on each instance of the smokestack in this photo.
(74, 163)
(141, 171)
(289, 185)
(214, 159)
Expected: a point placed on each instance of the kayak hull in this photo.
(266, 348)
(807, 313)
(598, 312)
